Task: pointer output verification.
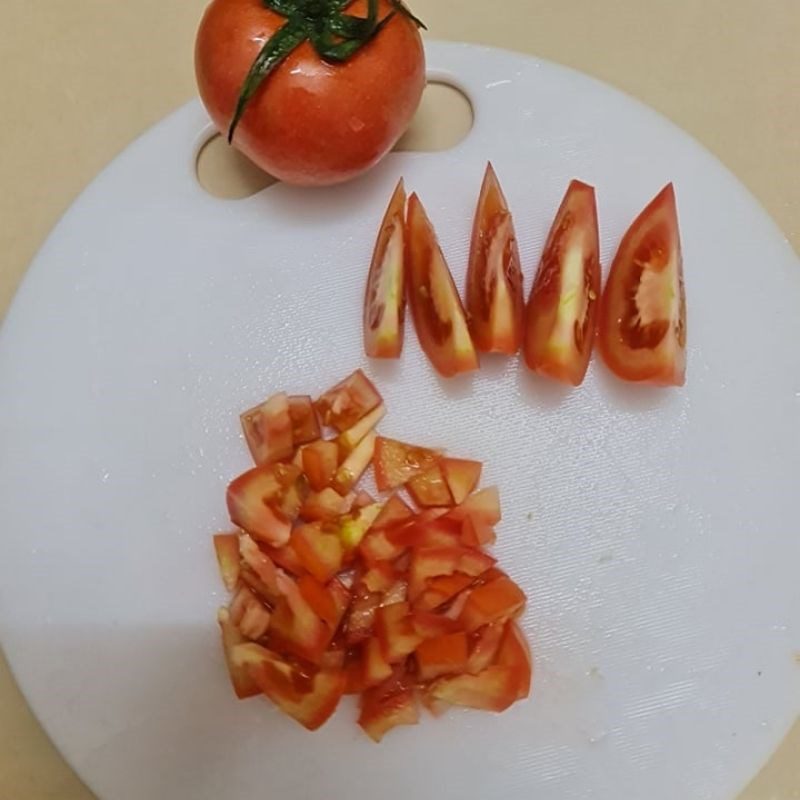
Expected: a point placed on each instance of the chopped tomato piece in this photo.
(476, 533)
(320, 600)
(243, 684)
(352, 527)
(346, 403)
(284, 557)
(361, 617)
(385, 299)
(349, 439)
(462, 476)
(514, 652)
(226, 546)
(441, 590)
(341, 600)
(386, 706)
(279, 680)
(437, 533)
(319, 462)
(492, 602)
(429, 488)
(354, 672)
(248, 614)
(305, 425)
(494, 689)
(484, 646)
(456, 607)
(378, 546)
(325, 505)
(264, 500)
(376, 668)
(268, 430)
(319, 552)
(354, 466)
(436, 707)
(380, 577)
(561, 316)
(295, 627)
(436, 561)
(396, 462)
(261, 564)
(439, 317)
(642, 317)
(495, 304)
(483, 505)
(430, 626)
(442, 655)
(395, 630)
(394, 511)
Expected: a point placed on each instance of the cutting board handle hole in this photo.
(443, 119)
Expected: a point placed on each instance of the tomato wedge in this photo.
(439, 317)
(561, 316)
(642, 324)
(495, 306)
(385, 299)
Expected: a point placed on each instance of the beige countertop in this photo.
(81, 79)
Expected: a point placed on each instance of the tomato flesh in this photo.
(561, 316)
(226, 546)
(642, 322)
(243, 684)
(305, 425)
(268, 430)
(494, 278)
(320, 460)
(350, 400)
(397, 462)
(494, 689)
(439, 317)
(496, 601)
(430, 488)
(462, 476)
(385, 299)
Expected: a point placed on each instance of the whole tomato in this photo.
(311, 121)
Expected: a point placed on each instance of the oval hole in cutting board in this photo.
(443, 119)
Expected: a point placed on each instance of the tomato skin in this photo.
(439, 316)
(561, 316)
(494, 300)
(642, 318)
(310, 122)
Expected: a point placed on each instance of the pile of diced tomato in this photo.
(335, 592)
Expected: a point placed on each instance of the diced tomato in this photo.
(396, 462)
(354, 466)
(494, 278)
(319, 552)
(430, 626)
(439, 317)
(442, 655)
(378, 546)
(243, 684)
(476, 533)
(492, 602)
(642, 316)
(295, 627)
(319, 599)
(278, 680)
(249, 615)
(461, 475)
(349, 439)
(435, 706)
(494, 689)
(354, 672)
(438, 533)
(429, 488)
(319, 461)
(285, 557)
(561, 315)
(514, 653)
(385, 297)
(483, 505)
(361, 618)
(394, 511)
(454, 609)
(433, 562)
(226, 546)
(395, 630)
(484, 646)
(268, 430)
(325, 505)
(305, 425)
(261, 564)
(352, 527)
(396, 593)
(376, 668)
(441, 590)
(264, 500)
(386, 706)
(346, 403)
(380, 577)
(341, 600)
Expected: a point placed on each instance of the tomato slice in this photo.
(385, 708)
(440, 590)
(226, 546)
(476, 533)
(319, 552)
(493, 602)
(305, 425)
(642, 318)
(434, 562)
(295, 627)
(268, 430)
(348, 440)
(395, 631)
(394, 510)
(439, 317)
(385, 298)
(430, 488)
(431, 626)
(483, 505)
(495, 306)
(320, 460)
(561, 315)
(442, 655)
(325, 505)
(396, 462)
(354, 466)
(348, 402)
(494, 689)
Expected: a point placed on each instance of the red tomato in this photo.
(348, 440)
(242, 682)
(385, 297)
(486, 642)
(439, 317)
(494, 278)
(430, 488)
(514, 652)
(561, 315)
(350, 400)
(320, 460)
(311, 121)
(496, 601)
(386, 706)
(462, 476)
(354, 466)
(494, 689)
(325, 505)
(268, 430)
(442, 655)
(642, 325)
(394, 510)
(396, 462)
(320, 553)
(394, 629)
(226, 546)
(305, 425)
(483, 505)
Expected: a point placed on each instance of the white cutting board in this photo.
(654, 530)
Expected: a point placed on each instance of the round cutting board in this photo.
(653, 530)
